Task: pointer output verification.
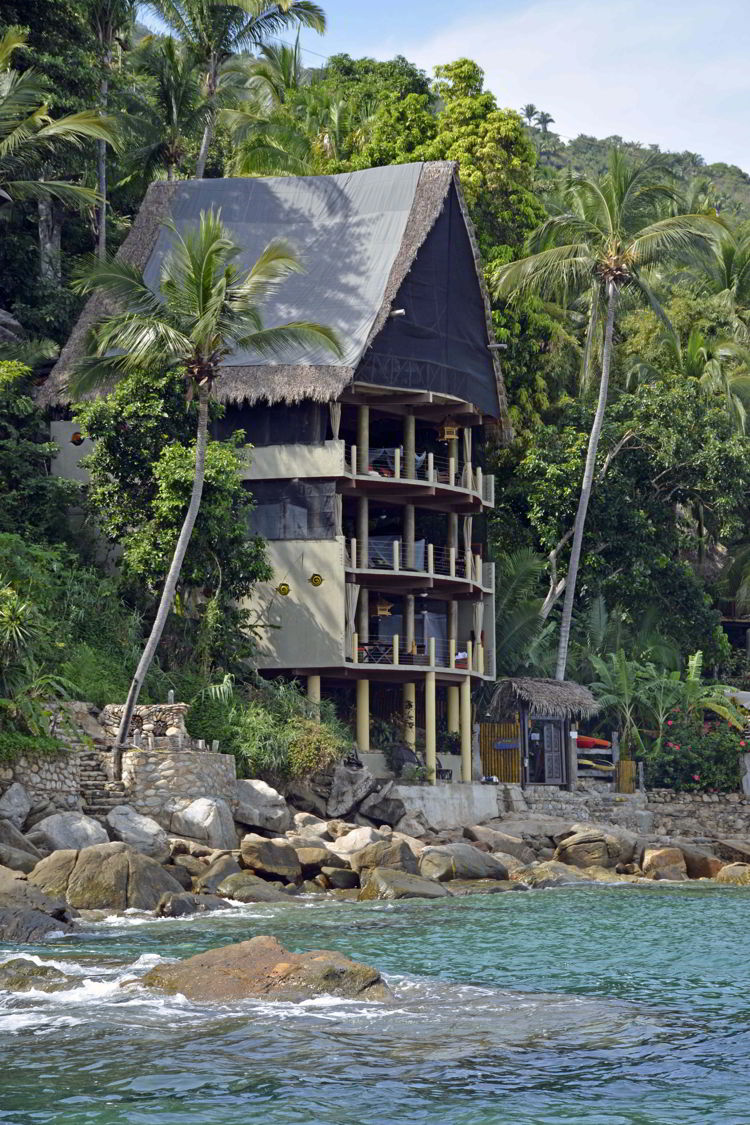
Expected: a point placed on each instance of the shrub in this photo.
(694, 757)
(13, 745)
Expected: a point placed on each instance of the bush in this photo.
(695, 757)
(13, 745)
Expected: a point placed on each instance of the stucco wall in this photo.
(66, 462)
(280, 462)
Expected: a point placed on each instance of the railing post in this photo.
(355, 648)
(452, 652)
(395, 648)
(430, 559)
(430, 468)
(353, 553)
(451, 471)
(478, 569)
(452, 561)
(470, 656)
(396, 555)
(397, 463)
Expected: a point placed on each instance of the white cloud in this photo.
(670, 72)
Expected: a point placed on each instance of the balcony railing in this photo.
(433, 653)
(388, 463)
(391, 556)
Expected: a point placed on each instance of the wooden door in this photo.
(553, 753)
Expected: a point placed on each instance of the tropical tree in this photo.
(215, 30)
(544, 120)
(518, 626)
(723, 271)
(168, 110)
(608, 241)
(278, 72)
(529, 112)
(206, 309)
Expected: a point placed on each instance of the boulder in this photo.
(11, 836)
(342, 878)
(309, 795)
(500, 842)
(68, 830)
(312, 858)
(246, 887)
(700, 863)
(509, 862)
(21, 975)
(338, 827)
(16, 859)
(183, 877)
(221, 868)
(313, 833)
(413, 824)
(733, 850)
(195, 867)
(262, 968)
(664, 863)
(737, 873)
(15, 804)
(27, 914)
(417, 846)
(551, 873)
(302, 820)
(593, 847)
(172, 905)
(384, 806)
(207, 819)
(350, 786)
(385, 883)
(355, 840)
(108, 876)
(261, 806)
(463, 887)
(140, 832)
(459, 861)
(384, 853)
(275, 859)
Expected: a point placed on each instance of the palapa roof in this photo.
(359, 235)
(555, 699)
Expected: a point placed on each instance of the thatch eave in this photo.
(556, 699)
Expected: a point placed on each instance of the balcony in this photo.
(444, 657)
(430, 566)
(461, 485)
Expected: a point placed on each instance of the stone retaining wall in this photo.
(158, 780)
(51, 777)
(162, 724)
(699, 814)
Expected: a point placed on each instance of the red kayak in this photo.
(586, 742)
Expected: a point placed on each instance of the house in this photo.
(367, 471)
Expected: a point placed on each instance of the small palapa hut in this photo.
(545, 710)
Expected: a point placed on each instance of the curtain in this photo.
(352, 597)
(335, 409)
(338, 508)
(478, 620)
(468, 523)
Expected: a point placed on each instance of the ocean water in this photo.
(578, 1005)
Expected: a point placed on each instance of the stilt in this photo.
(363, 439)
(409, 537)
(430, 733)
(453, 708)
(410, 448)
(410, 715)
(363, 716)
(466, 728)
(313, 689)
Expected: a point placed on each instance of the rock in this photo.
(593, 847)
(68, 830)
(384, 853)
(338, 827)
(262, 968)
(11, 836)
(221, 868)
(462, 887)
(276, 859)
(27, 914)
(183, 877)
(664, 863)
(195, 867)
(355, 840)
(501, 842)
(417, 846)
(246, 887)
(700, 863)
(140, 832)
(340, 877)
(459, 861)
(20, 975)
(207, 819)
(313, 833)
(308, 796)
(15, 805)
(733, 850)
(736, 873)
(551, 873)
(312, 859)
(413, 824)
(39, 810)
(385, 806)
(509, 862)
(303, 820)
(173, 905)
(309, 887)
(16, 859)
(261, 806)
(104, 876)
(350, 786)
(385, 883)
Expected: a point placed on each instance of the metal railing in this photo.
(388, 463)
(445, 562)
(432, 653)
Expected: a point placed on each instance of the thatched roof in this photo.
(555, 699)
(358, 235)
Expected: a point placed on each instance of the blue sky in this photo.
(671, 72)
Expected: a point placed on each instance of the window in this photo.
(293, 509)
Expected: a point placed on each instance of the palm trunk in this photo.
(101, 158)
(589, 347)
(170, 585)
(208, 132)
(588, 480)
(50, 241)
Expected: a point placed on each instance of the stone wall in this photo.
(159, 726)
(699, 814)
(156, 781)
(50, 777)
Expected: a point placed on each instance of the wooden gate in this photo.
(500, 751)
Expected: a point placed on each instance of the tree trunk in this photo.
(170, 585)
(170, 172)
(208, 132)
(50, 236)
(588, 479)
(101, 159)
(589, 347)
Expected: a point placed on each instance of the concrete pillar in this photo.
(363, 716)
(430, 727)
(410, 715)
(453, 531)
(409, 623)
(363, 438)
(409, 525)
(453, 621)
(465, 691)
(363, 615)
(363, 531)
(410, 447)
(453, 708)
(313, 689)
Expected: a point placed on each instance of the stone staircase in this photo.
(98, 793)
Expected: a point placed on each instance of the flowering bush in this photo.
(695, 756)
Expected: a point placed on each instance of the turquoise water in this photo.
(587, 1006)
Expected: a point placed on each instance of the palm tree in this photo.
(607, 242)
(543, 120)
(28, 135)
(215, 30)
(518, 625)
(207, 308)
(111, 19)
(723, 271)
(529, 112)
(278, 72)
(169, 110)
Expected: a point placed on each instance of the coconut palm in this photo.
(723, 271)
(215, 30)
(29, 136)
(529, 112)
(206, 309)
(278, 72)
(544, 120)
(607, 242)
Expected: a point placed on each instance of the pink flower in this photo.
(696, 777)
(677, 747)
(669, 722)
(670, 745)
(742, 742)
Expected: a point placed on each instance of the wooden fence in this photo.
(503, 761)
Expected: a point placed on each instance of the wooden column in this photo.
(363, 716)
(410, 715)
(466, 728)
(363, 438)
(430, 727)
(410, 447)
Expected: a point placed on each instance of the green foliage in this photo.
(14, 744)
(695, 756)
